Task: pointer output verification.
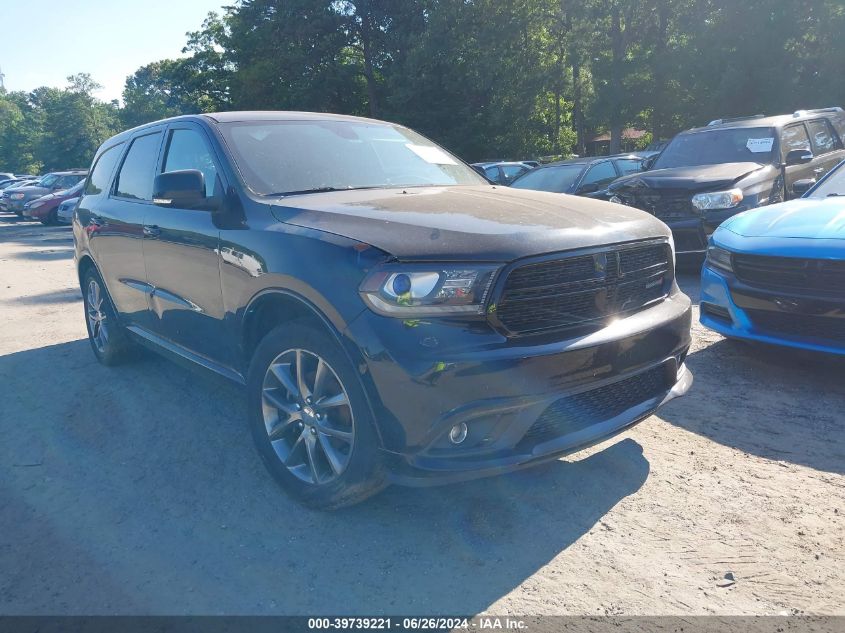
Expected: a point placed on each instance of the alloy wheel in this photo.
(97, 320)
(307, 416)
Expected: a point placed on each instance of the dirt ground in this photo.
(137, 490)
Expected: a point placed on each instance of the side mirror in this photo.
(183, 189)
(800, 187)
(798, 157)
(648, 162)
(588, 188)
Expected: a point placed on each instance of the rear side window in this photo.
(823, 137)
(135, 179)
(795, 137)
(102, 171)
(601, 174)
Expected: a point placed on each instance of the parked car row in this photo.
(39, 199)
(706, 175)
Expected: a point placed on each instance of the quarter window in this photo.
(102, 171)
(135, 179)
(186, 149)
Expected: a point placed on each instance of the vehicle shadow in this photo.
(71, 295)
(48, 255)
(137, 490)
(773, 408)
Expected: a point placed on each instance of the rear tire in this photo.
(108, 338)
(310, 419)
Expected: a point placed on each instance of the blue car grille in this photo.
(583, 290)
(576, 412)
(799, 325)
(826, 277)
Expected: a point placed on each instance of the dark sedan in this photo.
(588, 176)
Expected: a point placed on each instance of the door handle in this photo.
(151, 230)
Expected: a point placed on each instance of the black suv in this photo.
(706, 175)
(394, 317)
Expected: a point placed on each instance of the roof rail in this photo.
(798, 113)
(736, 118)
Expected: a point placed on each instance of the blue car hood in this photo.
(805, 218)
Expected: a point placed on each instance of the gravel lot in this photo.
(137, 490)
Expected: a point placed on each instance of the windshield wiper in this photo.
(834, 195)
(316, 190)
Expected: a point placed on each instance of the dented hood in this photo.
(468, 222)
(699, 178)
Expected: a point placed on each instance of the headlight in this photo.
(418, 290)
(717, 199)
(17, 196)
(719, 258)
(616, 200)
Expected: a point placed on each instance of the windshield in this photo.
(737, 145)
(833, 185)
(557, 179)
(278, 157)
(47, 181)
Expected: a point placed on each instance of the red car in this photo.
(45, 207)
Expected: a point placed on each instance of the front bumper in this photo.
(424, 378)
(39, 213)
(727, 306)
(691, 234)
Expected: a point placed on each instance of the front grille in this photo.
(583, 290)
(822, 276)
(574, 413)
(800, 325)
(662, 204)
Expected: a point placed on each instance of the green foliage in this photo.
(486, 78)
(52, 128)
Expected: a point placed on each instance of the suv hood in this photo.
(805, 218)
(700, 178)
(483, 222)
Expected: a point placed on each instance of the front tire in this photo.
(310, 419)
(108, 339)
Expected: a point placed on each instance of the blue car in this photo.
(777, 274)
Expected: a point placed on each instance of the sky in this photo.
(44, 41)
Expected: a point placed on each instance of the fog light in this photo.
(458, 433)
